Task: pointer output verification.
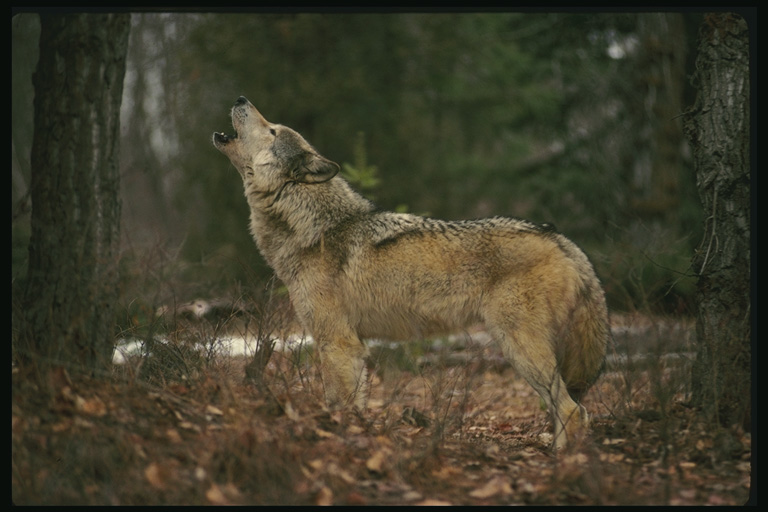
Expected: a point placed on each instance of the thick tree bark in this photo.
(72, 276)
(718, 128)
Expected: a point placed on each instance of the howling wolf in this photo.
(355, 272)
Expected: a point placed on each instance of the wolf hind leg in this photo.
(533, 357)
(570, 419)
(343, 371)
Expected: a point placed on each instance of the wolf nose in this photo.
(241, 101)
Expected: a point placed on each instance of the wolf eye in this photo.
(272, 131)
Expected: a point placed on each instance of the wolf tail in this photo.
(584, 344)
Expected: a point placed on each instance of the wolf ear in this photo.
(315, 169)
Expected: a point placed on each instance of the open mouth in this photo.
(223, 138)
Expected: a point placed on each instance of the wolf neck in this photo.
(295, 221)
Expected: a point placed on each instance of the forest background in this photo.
(123, 392)
(567, 118)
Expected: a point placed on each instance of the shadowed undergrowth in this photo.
(447, 422)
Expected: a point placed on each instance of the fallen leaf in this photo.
(215, 411)
(158, 475)
(376, 461)
(611, 457)
(215, 495)
(497, 485)
(173, 435)
(187, 425)
(222, 494)
(324, 434)
(324, 497)
(290, 412)
(93, 406)
(335, 470)
(355, 498)
(375, 403)
(434, 503)
(411, 495)
(446, 472)
(545, 438)
(83, 423)
(578, 459)
(354, 429)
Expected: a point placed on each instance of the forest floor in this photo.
(450, 425)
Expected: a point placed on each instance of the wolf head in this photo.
(269, 156)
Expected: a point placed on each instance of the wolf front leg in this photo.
(342, 367)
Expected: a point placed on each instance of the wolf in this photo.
(355, 272)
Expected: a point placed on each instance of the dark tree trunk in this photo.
(72, 276)
(718, 128)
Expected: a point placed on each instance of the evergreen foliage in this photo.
(555, 117)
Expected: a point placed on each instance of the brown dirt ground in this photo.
(443, 433)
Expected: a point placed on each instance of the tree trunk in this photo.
(718, 128)
(72, 276)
